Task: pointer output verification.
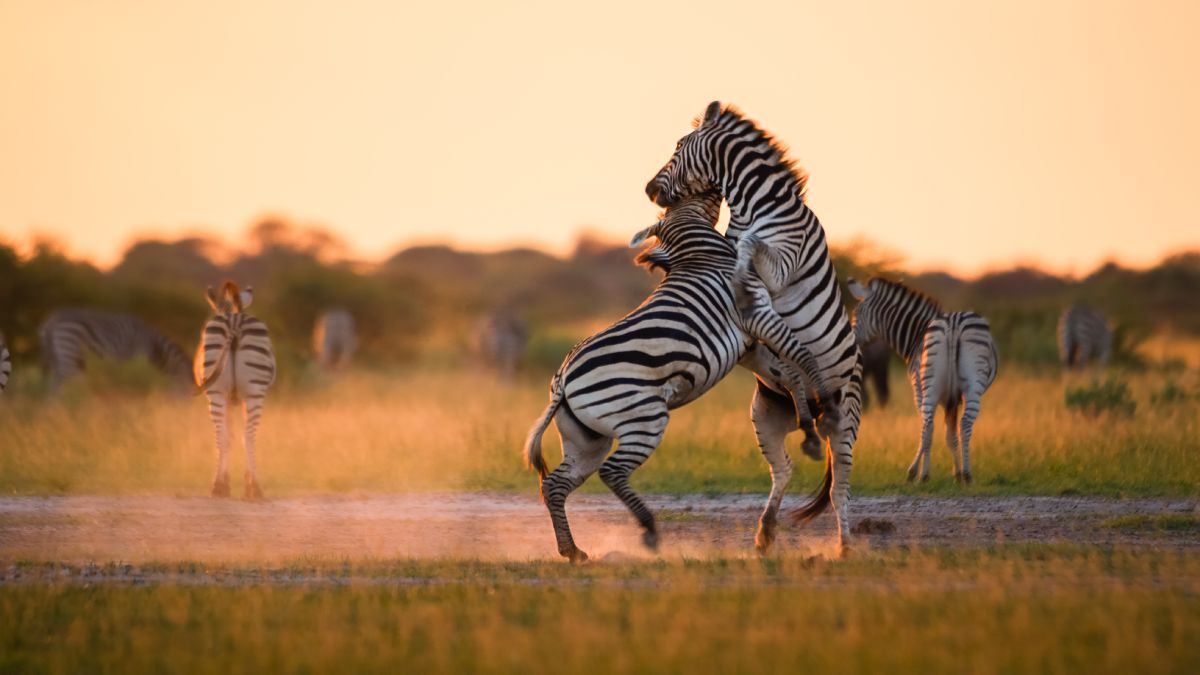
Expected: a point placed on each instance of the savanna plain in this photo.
(400, 531)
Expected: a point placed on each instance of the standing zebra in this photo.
(5, 364)
(234, 362)
(622, 382)
(1084, 334)
(334, 339)
(68, 335)
(500, 342)
(784, 279)
(951, 360)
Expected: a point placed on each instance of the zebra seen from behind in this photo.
(951, 361)
(621, 383)
(335, 339)
(1084, 335)
(5, 364)
(69, 335)
(784, 279)
(234, 362)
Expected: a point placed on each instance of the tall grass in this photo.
(449, 429)
(1005, 610)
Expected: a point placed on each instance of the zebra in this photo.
(5, 364)
(951, 360)
(877, 356)
(334, 339)
(68, 335)
(1084, 334)
(234, 361)
(621, 383)
(500, 342)
(784, 279)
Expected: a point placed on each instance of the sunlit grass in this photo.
(438, 430)
(1003, 609)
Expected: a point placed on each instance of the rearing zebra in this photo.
(786, 286)
(68, 335)
(622, 382)
(951, 360)
(234, 361)
(1084, 334)
(5, 364)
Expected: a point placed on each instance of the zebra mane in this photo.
(730, 111)
(906, 291)
(655, 257)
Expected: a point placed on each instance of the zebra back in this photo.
(68, 335)
(894, 312)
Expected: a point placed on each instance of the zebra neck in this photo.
(905, 332)
(760, 190)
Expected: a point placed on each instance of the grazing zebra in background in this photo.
(500, 339)
(1084, 334)
(334, 339)
(68, 335)
(622, 382)
(784, 279)
(951, 361)
(877, 356)
(234, 362)
(5, 364)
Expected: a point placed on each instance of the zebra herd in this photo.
(764, 296)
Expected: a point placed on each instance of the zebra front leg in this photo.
(773, 420)
(952, 438)
(970, 412)
(253, 410)
(634, 447)
(218, 411)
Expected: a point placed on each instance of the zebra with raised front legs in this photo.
(784, 279)
(621, 383)
(951, 361)
(1084, 335)
(69, 335)
(234, 362)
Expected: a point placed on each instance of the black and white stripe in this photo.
(5, 364)
(69, 335)
(1084, 336)
(951, 361)
(500, 338)
(621, 383)
(335, 339)
(234, 362)
(784, 279)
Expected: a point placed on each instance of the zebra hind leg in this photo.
(218, 410)
(583, 452)
(952, 438)
(841, 444)
(922, 457)
(634, 446)
(970, 412)
(773, 420)
(253, 409)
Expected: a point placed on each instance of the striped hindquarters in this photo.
(975, 356)
(235, 356)
(1083, 334)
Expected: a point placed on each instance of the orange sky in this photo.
(1061, 133)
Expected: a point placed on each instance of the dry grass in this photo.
(427, 430)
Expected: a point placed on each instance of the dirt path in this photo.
(143, 529)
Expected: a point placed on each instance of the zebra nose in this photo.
(652, 191)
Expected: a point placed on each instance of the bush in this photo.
(1169, 394)
(1108, 396)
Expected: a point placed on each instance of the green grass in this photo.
(446, 430)
(997, 610)
(1164, 522)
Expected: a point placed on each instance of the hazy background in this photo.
(960, 136)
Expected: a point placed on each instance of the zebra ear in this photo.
(642, 235)
(711, 113)
(246, 297)
(858, 290)
(211, 296)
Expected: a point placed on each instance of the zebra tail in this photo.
(533, 442)
(820, 499)
(218, 367)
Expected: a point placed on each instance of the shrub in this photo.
(1108, 396)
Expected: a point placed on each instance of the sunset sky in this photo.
(1058, 133)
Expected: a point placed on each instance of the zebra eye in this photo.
(678, 146)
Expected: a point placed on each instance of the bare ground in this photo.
(137, 530)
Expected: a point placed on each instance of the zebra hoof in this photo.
(650, 540)
(924, 479)
(829, 421)
(966, 477)
(253, 493)
(576, 557)
(812, 446)
(912, 475)
(763, 539)
(220, 487)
